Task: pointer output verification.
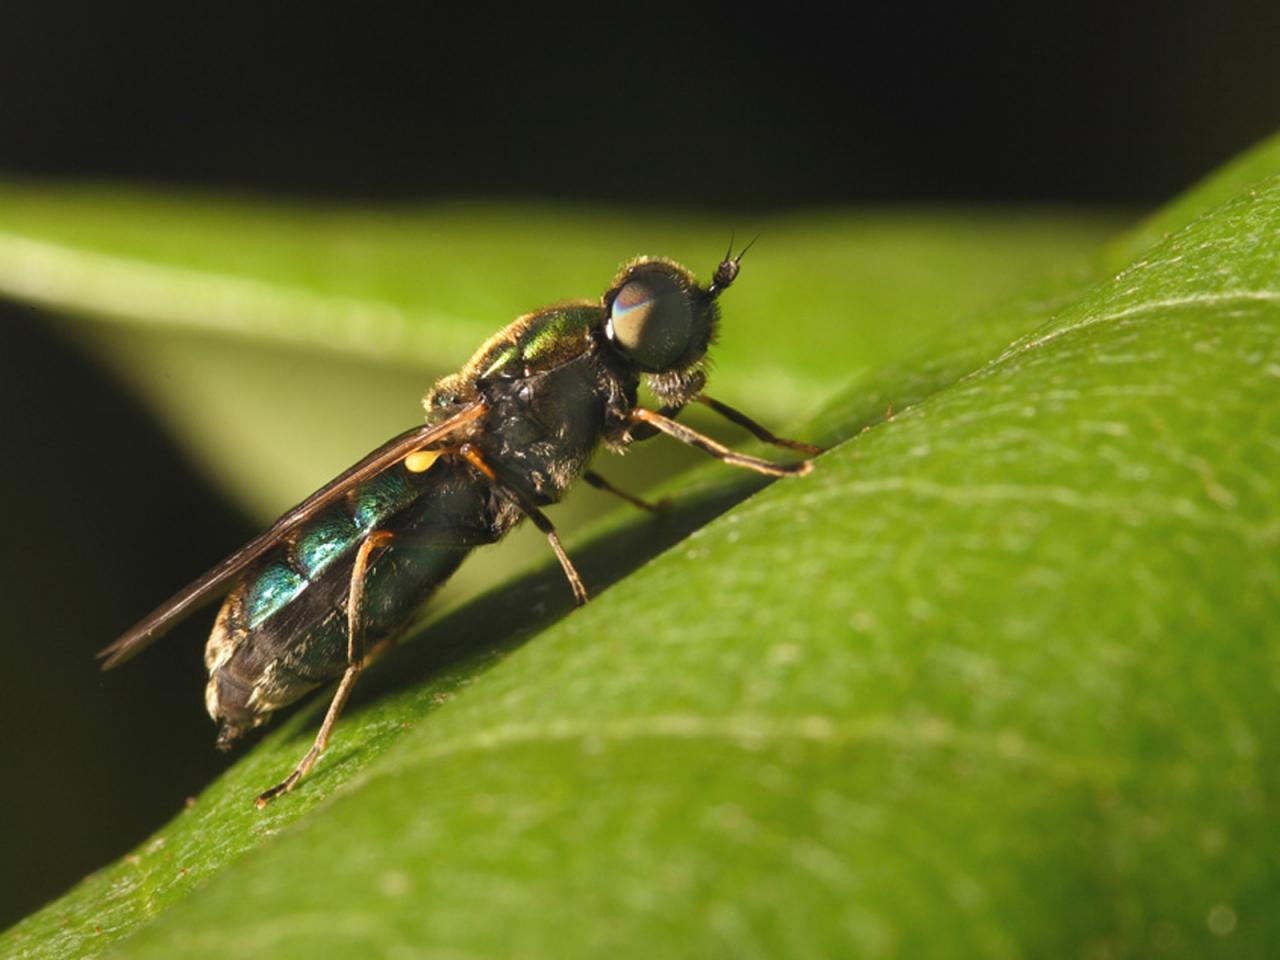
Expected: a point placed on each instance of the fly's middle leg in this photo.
(600, 483)
(530, 510)
(355, 663)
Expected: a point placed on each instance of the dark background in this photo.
(1123, 104)
(1120, 107)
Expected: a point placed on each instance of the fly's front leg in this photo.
(755, 429)
(530, 510)
(355, 663)
(718, 450)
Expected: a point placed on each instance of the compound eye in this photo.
(651, 320)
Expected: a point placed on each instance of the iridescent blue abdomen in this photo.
(283, 629)
(324, 541)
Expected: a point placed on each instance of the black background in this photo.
(1118, 106)
(1125, 103)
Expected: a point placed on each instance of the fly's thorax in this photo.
(541, 430)
(532, 344)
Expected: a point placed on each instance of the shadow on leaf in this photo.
(500, 620)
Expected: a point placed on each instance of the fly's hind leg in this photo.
(355, 663)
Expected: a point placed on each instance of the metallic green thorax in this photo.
(534, 342)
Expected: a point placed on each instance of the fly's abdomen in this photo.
(282, 630)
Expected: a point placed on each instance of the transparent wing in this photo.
(213, 584)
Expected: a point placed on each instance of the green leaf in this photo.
(998, 679)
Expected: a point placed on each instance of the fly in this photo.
(342, 573)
